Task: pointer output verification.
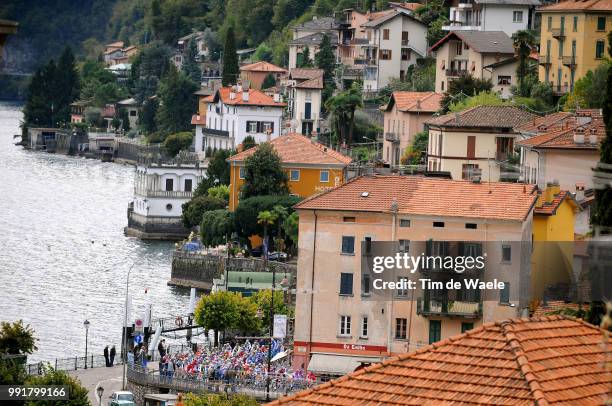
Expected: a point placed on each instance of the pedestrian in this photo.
(106, 360)
(142, 356)
(113, 352)
(161, 348)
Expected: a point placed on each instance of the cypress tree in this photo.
(68, 84)
(230, 59)
(326, 60)
(191, 67)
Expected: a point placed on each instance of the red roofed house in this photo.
(563, 150)
(405, 115)
(552, 360)
(256, 73)
(342, 316)
(311, 167)
(233, 113)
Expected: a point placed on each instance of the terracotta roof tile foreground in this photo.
(575, 132)
(538, 361)
(416, 101)
(297, 149)
(555, 307)
(485, 116)
(418, 195)
(550, 208)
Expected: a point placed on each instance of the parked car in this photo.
(257, 251)
(277, 256)
(122, 398)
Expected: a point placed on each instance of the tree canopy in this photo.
(231, 70)
(17, 338)
(178, 102)
(247, 212)
(195, 208)
(77, 393)
(264, 174)
(343, 107)
(177, 142)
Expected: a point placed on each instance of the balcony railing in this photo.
(569, 61)
(445, 307)
(558, 32)
(456, 72)
(560, 89)
(308, 117)
(392, 137)
(404, 42)
(170, 193)
(544, 60)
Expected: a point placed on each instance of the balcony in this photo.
(169, 194)
(558, 33)
(404, 43)
(444, 307)
(560, 90)
(456, 72)
(460, 26)
(392, 137)
(307, 117)
(544, 60)
(465, 4)
(569, 61)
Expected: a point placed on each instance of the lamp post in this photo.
(124, 340)
(100, 391)
(86, 325)
(271, 324)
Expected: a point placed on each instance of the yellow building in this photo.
(311, 167)
(572, 41)
(554, 216)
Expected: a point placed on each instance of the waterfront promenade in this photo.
(108, 378)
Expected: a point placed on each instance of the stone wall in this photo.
(155, 227)
(131, 151)
(199, 270)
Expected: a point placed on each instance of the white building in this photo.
(131, 106)
(393, 43)
(160, 190)
(304, 88)
(508, 16)
(235, 113)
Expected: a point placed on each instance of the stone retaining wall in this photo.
(199, 270)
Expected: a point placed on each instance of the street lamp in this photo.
(86, 325)
(271, 323)
(100, 391)
(125, 321)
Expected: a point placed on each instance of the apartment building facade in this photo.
(508, 16)
(481, 54)
(309, 35)
(340, 322)
(573, 40)
(256, 73)
(304, 89)
(234, 113)
(404, 116)
(475, 143)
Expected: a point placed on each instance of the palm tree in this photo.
(343, 107)
(281, 213)
(523, 42)
(266, 218)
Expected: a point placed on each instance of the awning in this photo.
(337, 364)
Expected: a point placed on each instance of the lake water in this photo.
(63, 255)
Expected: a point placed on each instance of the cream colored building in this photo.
(564, 149)
(481, 54)
(304, 90)
(340, 320)
(404, 116)
(475, 143)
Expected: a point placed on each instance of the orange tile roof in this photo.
(485, 116)
(297, 149)
(419, 195)
(407, 6)
(256, 98)
(314, 83)
(544, 123)
(580, 5)
(198, 119)
(538, 361)
(554, 307)
(209, 98)
(550, 208)
(562, 137)
(263, 66)
(416, 101)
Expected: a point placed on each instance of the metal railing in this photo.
(544, 60)
(568, 60)
(70, 364)
(558, 32)
(254, 386)
(392, 137)
(456, 72)
(446, 307)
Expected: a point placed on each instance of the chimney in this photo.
(245, 96)
(457, 118)
(593, 136)
(552, 189)
(232, 94)
(579, 192)
(418, 104)
(579, 135)
(276, 98)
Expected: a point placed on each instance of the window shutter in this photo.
(259, 127)
(248, 126)
(272, 125)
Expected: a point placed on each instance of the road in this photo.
(108, 378)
